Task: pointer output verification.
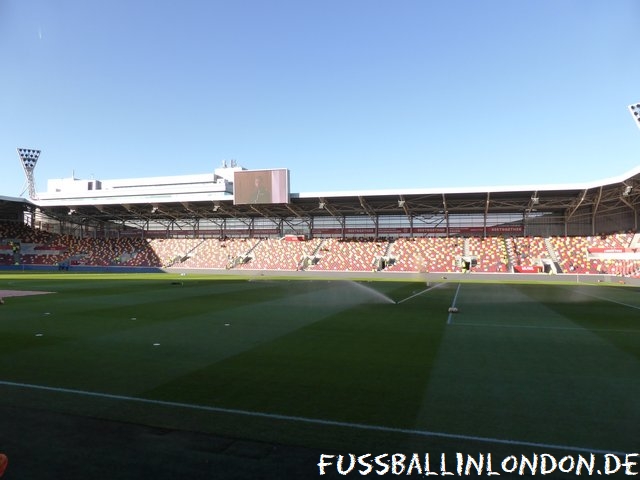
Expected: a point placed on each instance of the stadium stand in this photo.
(431, 254)
(490, 252)
(173, 251)
(357, 255)
(571, 253)
(528, 251)
(611, 254)
(218, 254)
(280, 254)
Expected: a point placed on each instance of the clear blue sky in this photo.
(347, 94)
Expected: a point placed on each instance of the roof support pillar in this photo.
(595, 210)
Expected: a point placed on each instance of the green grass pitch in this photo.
(331, 364)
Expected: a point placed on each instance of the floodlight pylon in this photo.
(29, 158)
(634, 110)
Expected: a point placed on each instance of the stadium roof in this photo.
(619, 193)
(13, 207)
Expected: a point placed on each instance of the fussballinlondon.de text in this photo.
(481, 464)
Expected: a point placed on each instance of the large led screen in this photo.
(261, 186)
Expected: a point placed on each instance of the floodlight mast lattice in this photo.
(29, 158)
(634, 110)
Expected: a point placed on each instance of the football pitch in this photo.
(256, 364)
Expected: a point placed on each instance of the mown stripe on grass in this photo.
(369, 364)
(314, 421)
